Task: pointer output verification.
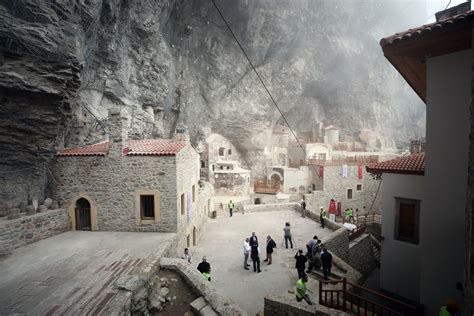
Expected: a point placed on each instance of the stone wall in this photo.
(113, 182)
(271, 207)
(338, 243)
(28, 229)
(220, 303)
(335, 186)
(286, 305)
(361, 256)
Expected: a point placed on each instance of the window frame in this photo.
(142, 208)
(415, 240)
(183, 204)
(361, 187)
(347, 194)
(139, 220)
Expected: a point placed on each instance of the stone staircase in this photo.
(376, 249)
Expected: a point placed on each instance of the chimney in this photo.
(181, 133)
(460, 8)
(118, 131)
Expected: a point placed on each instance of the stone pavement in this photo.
(223, 245)
(72, 273)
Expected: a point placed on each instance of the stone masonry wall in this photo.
(338, 243)
(361, 255)
(28, 229)
(187, 176)
(335, 186)
(271, 207)
(111, 182)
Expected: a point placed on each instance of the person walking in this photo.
(255, 255)
(253, 239)
(288, 236)
(300, 263)
(309, 252)
(231, 206)
(205, 268)
(246, 253)
(270, 245)
(322, 216)
(301, 290)
(303, 207)
(326, 260)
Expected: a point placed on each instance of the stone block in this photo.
(13, 213)
(30, 210)
(42, 208)
(197, 305)
(23, 207)
(48, 202)
(54, 205)
(207, 311)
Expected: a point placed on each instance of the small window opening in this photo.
(147, 206)
(349, 194)
(182, 204)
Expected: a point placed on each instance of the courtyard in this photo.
(74, 272)
(223, 241)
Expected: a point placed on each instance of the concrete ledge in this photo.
(286, 305)
(271, 207)
(221, 304)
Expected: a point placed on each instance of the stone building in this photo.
(133, 185)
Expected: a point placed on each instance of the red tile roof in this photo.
(428, 28)
(153, 147)
(100, 149)
(139, 147)
(412, 164)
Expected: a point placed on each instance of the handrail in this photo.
(374, 304)
(383, 296)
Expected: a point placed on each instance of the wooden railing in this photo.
(346, 299)
(369, 218)
(262, 187)
(358, 231)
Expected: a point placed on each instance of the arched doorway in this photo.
(275, 178)
(83, 214)
(194, 236)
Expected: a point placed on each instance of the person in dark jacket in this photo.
(205, 268)
(255, 255)
(270, 245)
(300, 263)
(326, 260)
(253, 239)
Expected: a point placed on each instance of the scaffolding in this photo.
(51, 31)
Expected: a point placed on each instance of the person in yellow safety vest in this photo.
(231, 207)
(301, 290)
(322, 216)
(346, 214)
(205, 268)
(351, 215)
(449, 309)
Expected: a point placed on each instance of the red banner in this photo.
(332, 207)
(321, 171)
(361, 170)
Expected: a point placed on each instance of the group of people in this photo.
(252, 250)
(317, 256)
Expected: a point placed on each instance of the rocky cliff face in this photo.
(64, 63)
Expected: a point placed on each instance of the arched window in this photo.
(221, 151)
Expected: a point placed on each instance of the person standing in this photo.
(326, 260)
(231, 207)
(270, 245)
(253, 239)
(205, 268)
(322, 216)
(303, 207)
(351, 216)
(300, 263)
(288, 236)
(246, 253)
(301, 290)
(255, 255)
(309, 252)
(186, 255)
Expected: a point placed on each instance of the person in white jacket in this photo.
(246, 253)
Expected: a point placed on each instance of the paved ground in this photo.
(72, 273)
(223, 245)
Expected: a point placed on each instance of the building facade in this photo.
(133, 185)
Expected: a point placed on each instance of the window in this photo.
(188, 241)
(349, 194)
(213, 167)
(183, 207)
(407, 220)
(147, 206)
(221, 151)
(194, 193)
(203, 164)
(359, 187)
(229, 152)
